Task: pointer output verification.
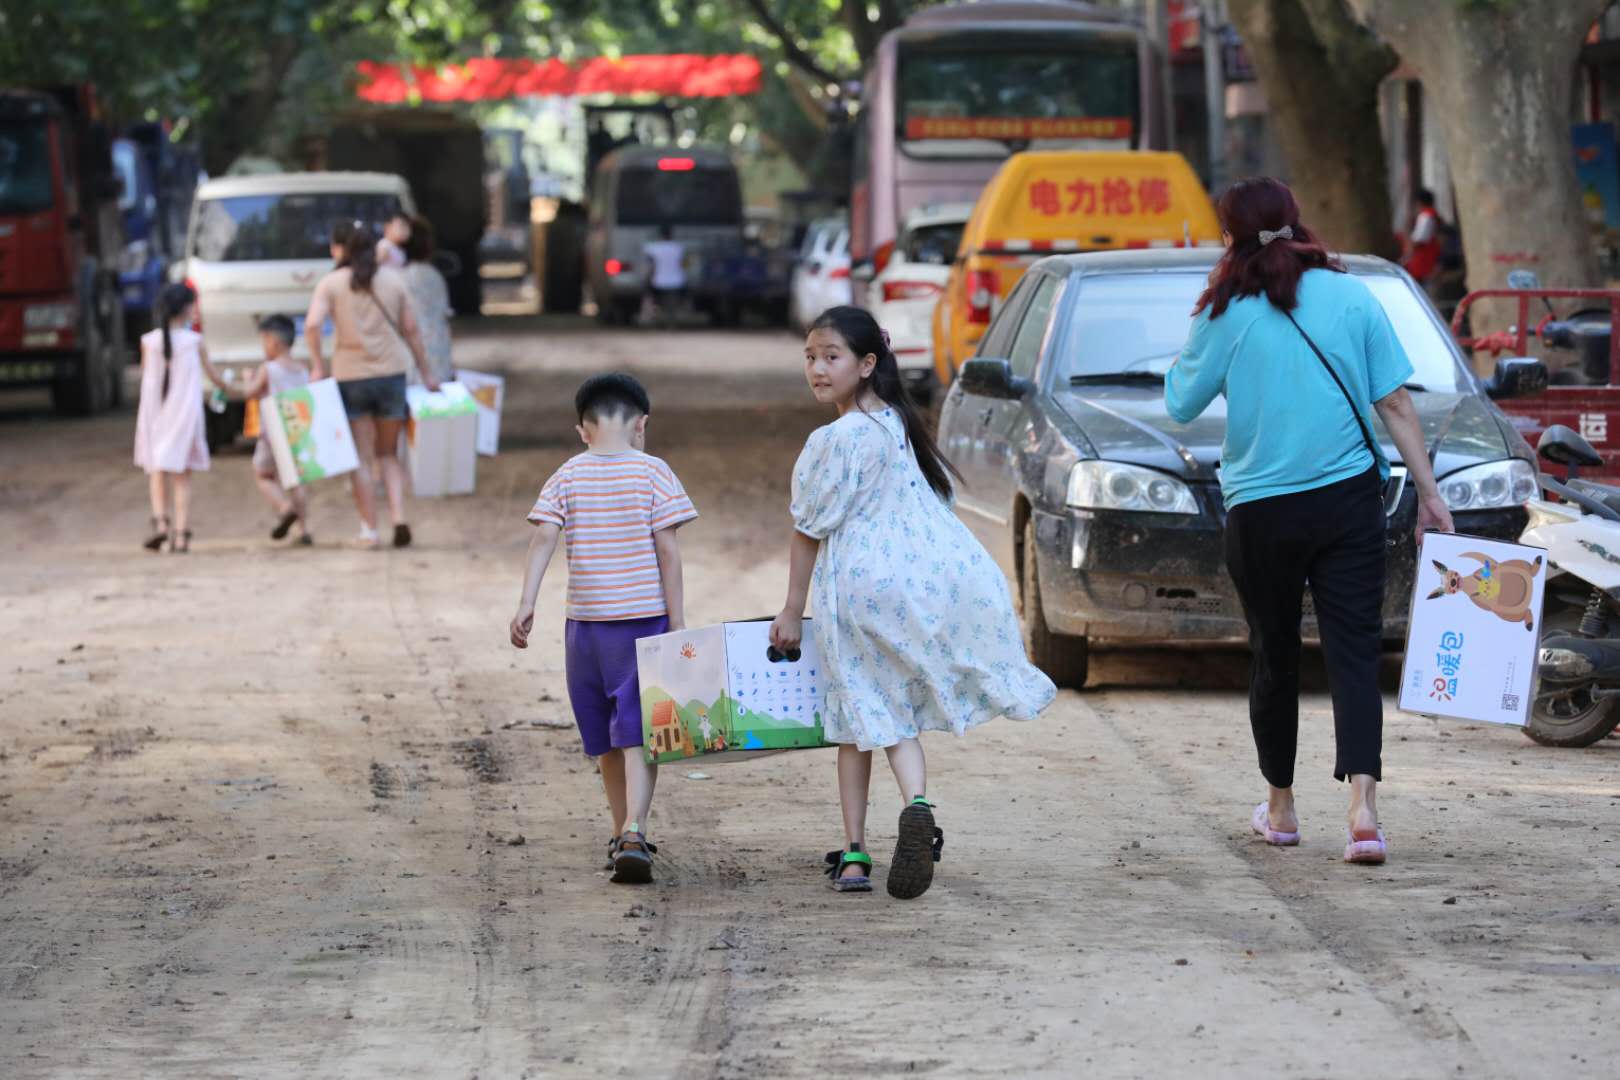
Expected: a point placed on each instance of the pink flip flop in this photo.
(1368, 852)
(1261, 821)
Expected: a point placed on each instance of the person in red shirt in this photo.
(1423, 250)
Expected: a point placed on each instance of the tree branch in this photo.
(796, 54)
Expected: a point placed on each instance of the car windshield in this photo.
(1136, 324)
(251, 228)
(25, 167)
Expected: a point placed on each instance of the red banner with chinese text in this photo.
(1018, 127)
(488, 78)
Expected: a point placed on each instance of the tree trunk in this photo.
(1503, 77)
(235, 125)
(1321, 73)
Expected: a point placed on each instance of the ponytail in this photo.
(863, 335)
(361, 256)
(172, 303)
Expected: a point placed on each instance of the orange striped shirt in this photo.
(608, 507)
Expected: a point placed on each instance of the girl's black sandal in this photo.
(160, 535)
(837, 860)
(918, 849)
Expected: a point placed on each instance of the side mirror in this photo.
(1562, 446)
(993, 379)
(1516, 376)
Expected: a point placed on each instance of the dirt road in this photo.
(303, 813)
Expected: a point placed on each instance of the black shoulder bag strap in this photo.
(1366, 432)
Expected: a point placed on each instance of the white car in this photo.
(821, 280)
(903, 294)
(258, 244)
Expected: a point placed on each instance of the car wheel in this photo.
(1065, 659)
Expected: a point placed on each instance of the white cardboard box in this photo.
(308, 431)
(489, 393)
(1475, 631)
(441, 440)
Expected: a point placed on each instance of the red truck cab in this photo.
(60, 319)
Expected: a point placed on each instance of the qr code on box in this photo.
(1510, 703)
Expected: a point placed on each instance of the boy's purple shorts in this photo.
(603, 686)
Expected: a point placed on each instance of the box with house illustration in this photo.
(489, 393)
(1475, 630)
(714, 692)
(441, 440)
(308, 431)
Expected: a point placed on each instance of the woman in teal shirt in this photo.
(1304, 353)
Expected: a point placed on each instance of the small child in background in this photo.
(171, 439)
(617, 510)
(279, 372)
(396, 234)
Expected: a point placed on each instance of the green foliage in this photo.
(255, 74)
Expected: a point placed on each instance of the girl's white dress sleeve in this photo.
(826, 481)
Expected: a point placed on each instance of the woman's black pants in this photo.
(1332, 538)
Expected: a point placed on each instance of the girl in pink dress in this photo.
(170, 435)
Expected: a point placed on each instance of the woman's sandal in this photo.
(160, 535)
(632, 860)
(181, 543)
(916, 852)
(1260, 822)
(1366, 850)
(841, 882)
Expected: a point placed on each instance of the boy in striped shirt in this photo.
(616, 510)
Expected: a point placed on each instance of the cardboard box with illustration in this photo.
(1475, 631)
(489, 394)
(308, 431)
(715, 692)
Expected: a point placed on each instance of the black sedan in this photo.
(1107, 515)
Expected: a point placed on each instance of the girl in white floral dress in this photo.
(912, 616)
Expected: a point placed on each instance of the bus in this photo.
(957, 89)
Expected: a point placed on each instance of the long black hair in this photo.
(172, 302)
(360, 252)
(863, 336)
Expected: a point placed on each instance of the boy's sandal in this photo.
(306, 540)
(159, 537)
(836, 862)
(181, 544)
(920, 845)
(284, 525)
(613, 851)
(632, 861)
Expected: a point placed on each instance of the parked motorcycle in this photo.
(1578, 699)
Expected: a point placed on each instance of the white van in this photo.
(258, 244)
(638, 190)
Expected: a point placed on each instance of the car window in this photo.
(997, 340)
(1139, 322)
(248, 228)
(932, 244)
(1026, 346)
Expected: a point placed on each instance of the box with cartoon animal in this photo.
(721, 692)
(441, 440)
(308, 431)
(1475, 630)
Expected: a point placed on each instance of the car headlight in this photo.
(48, 317)
(1109, 485)
(1491, 486)
(134, 258)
